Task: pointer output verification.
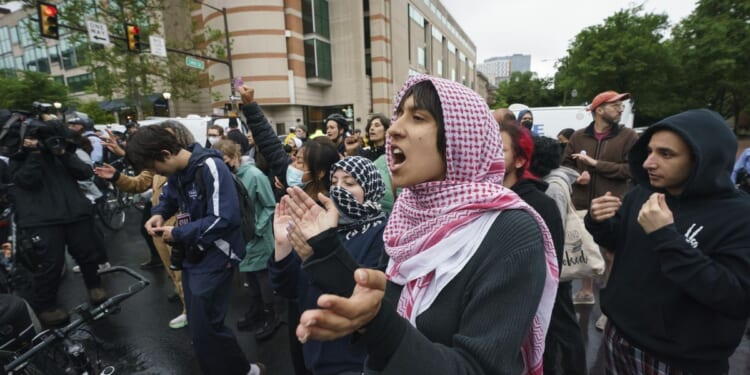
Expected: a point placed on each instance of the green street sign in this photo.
(194, 63)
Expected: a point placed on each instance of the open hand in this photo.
(308, 216)
(584, 178)
(341, 316)
(105, 171)
(281, 222)
(655, 214)
(111, 144)
(604, 207)
(585, 159)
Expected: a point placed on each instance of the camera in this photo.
(41, 108)
(180, 253)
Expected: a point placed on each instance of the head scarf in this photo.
(431, 218)
(355, 215)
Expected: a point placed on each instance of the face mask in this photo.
(527, 123)
(213, 140)
(294, 177)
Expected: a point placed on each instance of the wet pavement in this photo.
(138, 340)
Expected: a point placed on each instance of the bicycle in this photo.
(110, 208)
(70, 357)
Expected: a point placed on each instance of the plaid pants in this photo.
(622, 358)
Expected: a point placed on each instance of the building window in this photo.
(24, 36)
(5, 43)
(14, 35)
(54, 54)
(437, 34)
(318, 59)
(416, 16)
(80, 82)
(315, 17)
(453, 74)
(19, 63)
(421, 56)
(440, 68)
(36, 59)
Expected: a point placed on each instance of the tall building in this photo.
(498, 69)
(305, 59)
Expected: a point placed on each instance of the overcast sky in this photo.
(542, 28)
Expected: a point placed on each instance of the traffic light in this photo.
(48, 20)
(133, 36)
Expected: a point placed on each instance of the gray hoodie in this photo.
(560, 182)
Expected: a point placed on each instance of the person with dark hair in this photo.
(206, 242)
(564, 137)
(564, 338)
(85, 127)
(234, 133)
(677, 298)
(214, 133)
(376, 130)
(52, 213)
(462, 249)
(301, 132)
(504, 116)
(337, 129)
(599, 153)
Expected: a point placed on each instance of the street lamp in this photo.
(223, 12)
(166, 96)
(58, 106)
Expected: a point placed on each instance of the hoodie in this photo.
(560, 187)
(214, 210)
(682, 292)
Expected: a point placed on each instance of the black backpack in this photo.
(247, 208)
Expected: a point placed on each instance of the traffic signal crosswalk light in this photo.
(133, 36)
(48, 20)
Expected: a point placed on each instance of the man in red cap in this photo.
(599, 153)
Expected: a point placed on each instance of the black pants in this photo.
(149, 240)
(47, 255)
(564, 336)
(259, 287)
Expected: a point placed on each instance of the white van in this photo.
(198, 125)
(549, 121)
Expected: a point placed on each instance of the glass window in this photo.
(421, 56)
(437, 34)
(19, 63)
(14, 35)
(318, 59)
(80, 82)
(59, 79)
(440, 68)
(5, 44)
(24, 35)
(315, 17)
(54, 54)
(453, 74)
(416, 16)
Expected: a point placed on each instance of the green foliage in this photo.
(626, 54)
(96, 112)
(526, 88)
(20, 91)
(712, 45)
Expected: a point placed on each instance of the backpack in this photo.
(247, 207)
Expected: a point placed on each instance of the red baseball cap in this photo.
(607, 97)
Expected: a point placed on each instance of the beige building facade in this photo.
(307, 59)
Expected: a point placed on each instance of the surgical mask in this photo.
(213, 140)
(527, 123)
(294, 177)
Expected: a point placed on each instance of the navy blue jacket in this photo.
(214, 209)
(289, 279)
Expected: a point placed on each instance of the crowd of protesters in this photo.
(433, 244)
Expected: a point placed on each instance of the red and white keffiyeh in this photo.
(436, 227)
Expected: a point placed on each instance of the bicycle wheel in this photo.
(111, 212)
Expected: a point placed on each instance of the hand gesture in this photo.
(281, 222)
(166, 233)
(584, 178)
(105, 171)
(111, 144)
(300, 245)
(585, 159)
(341, 316)
(352, 144)
(277, 183)
(604, 207)
(31, 143)
(655, 214)
(309, 218)
(154, 222)
(247, 94)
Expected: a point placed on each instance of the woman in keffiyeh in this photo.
(472, 274)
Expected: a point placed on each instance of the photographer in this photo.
(52, 212)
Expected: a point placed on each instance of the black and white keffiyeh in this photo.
(353, 213)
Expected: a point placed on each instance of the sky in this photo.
(542, 28)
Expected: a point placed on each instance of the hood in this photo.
(567, 175)
(199, 154)
(521, 113)
(713, 146)
(528, 184)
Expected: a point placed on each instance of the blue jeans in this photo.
(206, 304)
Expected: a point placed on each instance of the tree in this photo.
(712, 44)
(21, 92)
(96, 113)
(627, 54)
(526, 88)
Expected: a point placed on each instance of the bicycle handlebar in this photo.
(91, 313)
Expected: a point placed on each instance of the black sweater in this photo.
(682, 293)
(268, 144)
(478, 322)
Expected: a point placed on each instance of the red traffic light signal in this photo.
(133, 37)
(48, 20)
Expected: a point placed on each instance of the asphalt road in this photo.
(139, 341)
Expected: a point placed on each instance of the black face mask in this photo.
(527, 123)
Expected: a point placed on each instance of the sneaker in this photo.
(102, 267)
(601, 323)
(54, 317)
(581, 298)
(179, 322)
(151, 264)
(97, 295)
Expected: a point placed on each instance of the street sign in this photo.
(98, 32)
(157, 46)
(194, 63)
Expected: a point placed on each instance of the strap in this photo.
(6, 127)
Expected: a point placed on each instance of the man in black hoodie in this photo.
(678, 297)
